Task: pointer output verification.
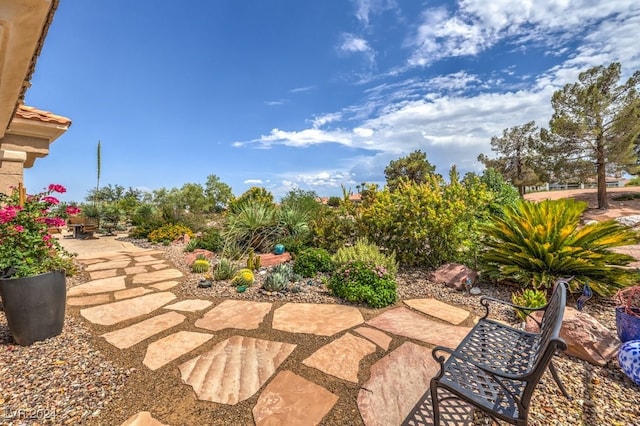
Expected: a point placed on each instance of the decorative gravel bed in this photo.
(66, 380)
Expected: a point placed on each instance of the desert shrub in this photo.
(311, 261)
(252, 226)
(294, 245)
(534, 244)
(627, 197)
(144, 229)
(333, 201)
(225, 269)
(424, 224)
(169, 233)
(210, 240)
(635, 181)
(530, 299)
(364, 282)
(365, 251)
(332, 229)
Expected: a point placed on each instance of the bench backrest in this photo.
(91, 224)
(550, 339)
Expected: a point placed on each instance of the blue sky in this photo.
(305, 94)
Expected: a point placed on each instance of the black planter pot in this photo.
(34, 306)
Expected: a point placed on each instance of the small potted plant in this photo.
(628, 313)
(33, 265)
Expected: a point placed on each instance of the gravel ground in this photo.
(69, 380)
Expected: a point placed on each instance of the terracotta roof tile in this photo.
(31, 113)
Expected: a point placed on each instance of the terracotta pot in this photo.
(34, 306)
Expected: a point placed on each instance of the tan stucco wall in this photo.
(11, 169)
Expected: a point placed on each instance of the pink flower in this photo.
(50, 200)
(57, 188)
(71, 210)
(19, 228)
(54, 221)
(8, 213)
(46, 237)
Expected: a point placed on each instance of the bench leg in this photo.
(554, 373)
(435, 403)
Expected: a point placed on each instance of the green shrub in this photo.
(332, 229)
(533, 244)
(143, 215)
(365, 251)
(200, 266)
(225, 269)
(359, 282)
(244, 277)
(211, 240)
(144, 229)
(529, 299)
(311, 261)
(169, 233)
(426, 224)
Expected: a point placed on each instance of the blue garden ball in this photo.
(629, 360)
(278, 249)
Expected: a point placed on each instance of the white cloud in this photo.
(275, 103)
(302, 89)
(351, 44)
(253, 181)
(366, 8)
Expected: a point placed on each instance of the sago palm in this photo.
(533, 244)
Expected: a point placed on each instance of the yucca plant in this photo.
(225, 269)
(254, 226)
(533, 244)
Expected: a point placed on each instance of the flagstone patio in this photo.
(235, 366)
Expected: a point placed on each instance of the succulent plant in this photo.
(276, 281)
(283, 268)
(200, 266)
(225, 269)
(191, 246)
(244, 277)
(253, 261)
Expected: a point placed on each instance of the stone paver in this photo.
(159, 266)
(292, 400)
(104, 273)
(376, 336)
(131, 292)
(165, 285)
(190, 305)
(165, 350)
(240, 314)
(147, 252)
(95, 299)
(145, 258)
(143, 418)
(321, 320)
(150, 262)
(396, 383)
(440, 310)
(157, 276)
(111, 264)
(136, 333)
(234, 369)
(132, 270)
(404, 322)
(341, 357)
(102, 285)
(123, 310)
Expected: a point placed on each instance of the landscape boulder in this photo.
(630, 221)
(453, 275)
(586, 338)
(189, 258)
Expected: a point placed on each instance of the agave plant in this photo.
(533, 244)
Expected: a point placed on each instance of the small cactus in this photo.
(200, 266)
(275, 281)
(244, 277)
(253, 261)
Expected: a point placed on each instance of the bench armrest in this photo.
(486, 300)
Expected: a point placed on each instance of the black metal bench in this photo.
(496, 367)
